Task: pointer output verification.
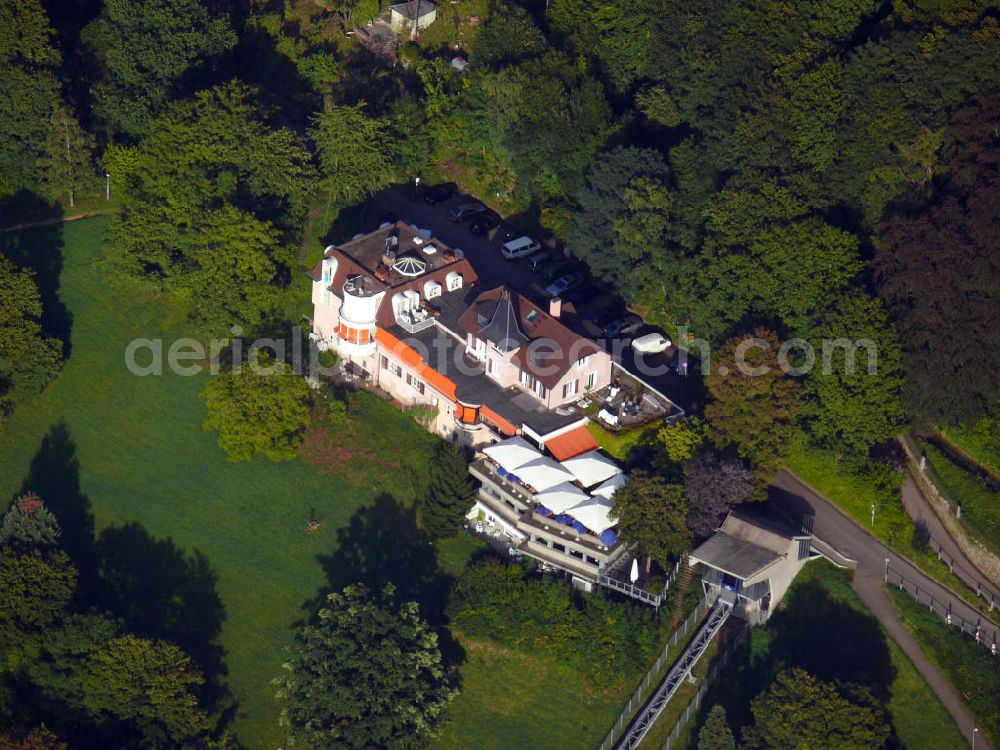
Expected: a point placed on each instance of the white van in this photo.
(520, 248)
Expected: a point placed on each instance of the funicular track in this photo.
(645, 719)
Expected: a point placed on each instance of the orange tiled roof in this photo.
(572, 443)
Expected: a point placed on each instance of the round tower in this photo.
(356, 331)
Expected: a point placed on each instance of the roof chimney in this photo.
(555, 306)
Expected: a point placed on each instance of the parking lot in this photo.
(483, 251)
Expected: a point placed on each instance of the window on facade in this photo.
(591, 381)
(540, 390)
(492, 367)
(569, 389)
(409, 379)
(558, 547)
(582, 362)
(576, 553)
(592, 560)
(525, 379)
(398, 370)
(434, 400)
(385, 362)
(420, 387)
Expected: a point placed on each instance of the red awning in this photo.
(572, 443)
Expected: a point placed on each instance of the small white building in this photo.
(753, 558)
(413, 15)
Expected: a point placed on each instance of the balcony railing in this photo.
(415, 320)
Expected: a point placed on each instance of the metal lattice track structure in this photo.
(678, 673)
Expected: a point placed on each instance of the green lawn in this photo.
(855, 494)
(620, 444)
(511, 699)
(823, 627)
(968, 665)
(980, 505)
(977, 442)
(111, 449)
(144, 457)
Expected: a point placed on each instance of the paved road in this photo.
(920, 510)
(840, 531)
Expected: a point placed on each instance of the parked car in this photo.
(623, 326)
(564, 283)
(440, 193)
(537, 260)
(465, 211)
(520, 247)
(578, 295)
(651, 343)
(605, 315)
(484, 222)
(556, 269)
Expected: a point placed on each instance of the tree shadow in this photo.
(159, 591)
(41, 249)
(382, 544)
(154, 587)
(54, 474)
(814, 631)
(832, 641)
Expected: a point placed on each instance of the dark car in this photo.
(623, 326)
(556, 268)
(540, 258)
(440, 193)
(465, 211)
(579, 295)
(484, 222)
(605, 315)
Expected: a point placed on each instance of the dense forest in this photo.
(730, 168)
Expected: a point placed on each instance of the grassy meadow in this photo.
(224, 548)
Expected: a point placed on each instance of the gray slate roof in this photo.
(735, 556)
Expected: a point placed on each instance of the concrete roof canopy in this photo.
(591, 467)
(543, 473)
(594, 513)
(414, 9)
(561, 497)
(513, 453)
(609, 488)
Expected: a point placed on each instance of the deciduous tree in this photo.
(682, 437)
(652, 513)
(754, 402)
(261, 408)
(147, 686)
(67, 159)
(35, 590)
(938, 273)
(28, 357)
(238, 266)
(366, 674)
(29, 92)
(149, 46)
(856, 379)
(354, 152)
(799, 711)
(713, 485)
